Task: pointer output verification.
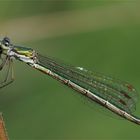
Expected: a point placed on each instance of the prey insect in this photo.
(115, 95)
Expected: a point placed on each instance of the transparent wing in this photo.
(120, 94)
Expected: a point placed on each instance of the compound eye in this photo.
(6, 44)
(6, 41)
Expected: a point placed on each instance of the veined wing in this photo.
(121, 94)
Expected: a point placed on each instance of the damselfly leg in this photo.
(4, 60)
(6, 66)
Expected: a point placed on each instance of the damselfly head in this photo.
(5, 44)
(6, 41)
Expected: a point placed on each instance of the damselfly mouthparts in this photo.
(115, 95)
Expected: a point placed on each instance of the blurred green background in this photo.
(101, 35)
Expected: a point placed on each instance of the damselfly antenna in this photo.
(115, 95)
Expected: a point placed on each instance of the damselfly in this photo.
(115, 95)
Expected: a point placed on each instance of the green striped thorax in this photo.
(6, 47)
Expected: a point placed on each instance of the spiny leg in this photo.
(4, 61)
(10, 70)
